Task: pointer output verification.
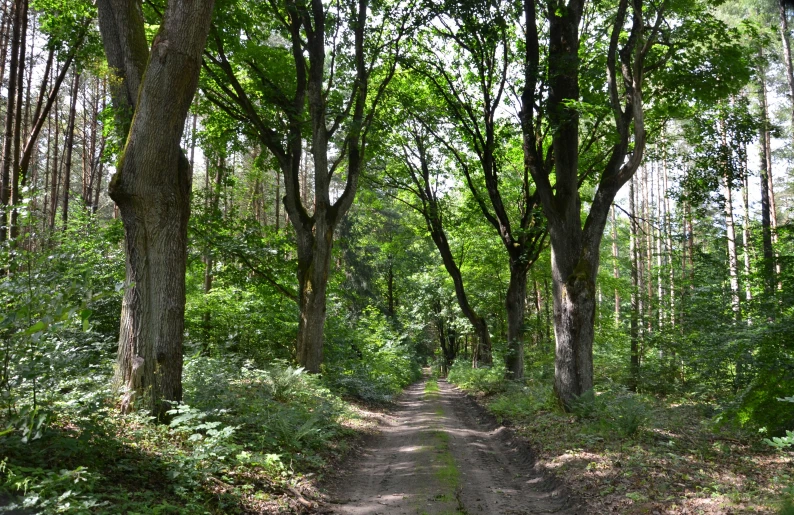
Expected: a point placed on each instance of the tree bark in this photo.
(615, 269)
(766, 219)
(152, 188)
(67, 181)
(576, 248)
(16, 196)
(12, 99)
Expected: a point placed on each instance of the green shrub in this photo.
(488, 380)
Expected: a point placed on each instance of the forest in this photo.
(254, 254)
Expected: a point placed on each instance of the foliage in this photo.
(489, 380)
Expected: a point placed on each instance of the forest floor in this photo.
(440, 453)
(443, 451)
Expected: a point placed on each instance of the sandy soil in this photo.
(439, 453)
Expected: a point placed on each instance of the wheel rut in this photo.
(439, 454)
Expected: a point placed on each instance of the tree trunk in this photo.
(515, 304)
(16, 196)
(748, 294)
(152, 188)
(8, 137)
(766, 220)
(67, 181)
(786, 40)
(634, 351)
(56, 176)
(733, 262)
(576, 247)
(615, 269)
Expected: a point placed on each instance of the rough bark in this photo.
(152, 188)
(634, 351)
(575, 248)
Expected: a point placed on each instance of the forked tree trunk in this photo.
(575, 246)
(152, 188)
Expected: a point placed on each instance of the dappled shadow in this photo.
(438, 455)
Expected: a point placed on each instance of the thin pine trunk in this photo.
(615, 269)
(69, 148)
(636, 295)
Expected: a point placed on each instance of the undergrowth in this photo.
(635, 453)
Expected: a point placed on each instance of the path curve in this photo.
(438, 454)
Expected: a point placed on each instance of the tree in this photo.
(559, 91)
(151, 187)
(425, 182)
(479, 37)
(324, 101)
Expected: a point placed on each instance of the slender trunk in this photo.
(46, 203)
(214, 201)
(67, 182)
(786, 40)
(733, 262)
(278, 200)
(634, 358)
(56, 176)
(668, 227)
(748, 295)
(8, 137)
(766, 220)
(615, 269)
(16, 196)
(390, 287)
(515, 303)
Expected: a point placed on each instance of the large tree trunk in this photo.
(575, 247)
(515, 303)
(152, 188)
(314, 264)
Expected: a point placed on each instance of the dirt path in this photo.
(438, 455)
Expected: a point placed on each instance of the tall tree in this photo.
(478, 35)
(325, 101)
(556, 92)
(152, 186)
(424, 182)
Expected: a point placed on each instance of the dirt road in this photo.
(439, 455)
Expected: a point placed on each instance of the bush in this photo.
(488, 380)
